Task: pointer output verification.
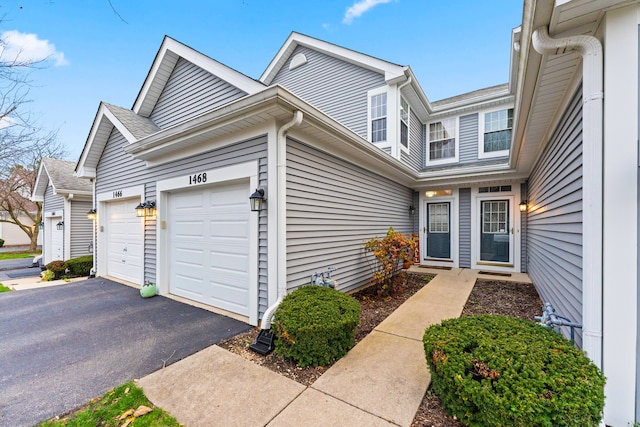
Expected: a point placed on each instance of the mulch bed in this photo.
(487, 297)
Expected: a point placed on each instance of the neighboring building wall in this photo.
(464, 221)
(14, 235)
(118, 170)
(190, 92)
(554, 227)
(336, 87)
(333, 207)
(81, 229)
(524, 195)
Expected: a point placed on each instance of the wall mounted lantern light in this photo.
(60, 225)
(146, 209)
(92, 214)
(41, 225)
(412, 210)
(257, 199)
(524, 205)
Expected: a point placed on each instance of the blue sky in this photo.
(102, 51)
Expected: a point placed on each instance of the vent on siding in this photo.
(495, 189)
(297, 61)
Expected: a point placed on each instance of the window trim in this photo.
(481, 123)
(400, 121)
(448, 160)
(371, 94)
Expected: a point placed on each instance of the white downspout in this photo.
(281, 201)
(592, 199)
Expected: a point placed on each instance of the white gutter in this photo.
(592, 75)
(281, 201)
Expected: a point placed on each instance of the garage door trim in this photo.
(243, 171)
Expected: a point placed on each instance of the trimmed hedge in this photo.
(80, 266)
(495, 370)
(58, 267)
(315, 325)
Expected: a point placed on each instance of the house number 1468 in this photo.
(198, 178)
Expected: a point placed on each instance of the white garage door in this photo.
(124, 233)
(209, 246)
(55, 248)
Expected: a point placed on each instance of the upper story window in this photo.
(404, 123)
(442, 144)
(378, 116)
(495, 133)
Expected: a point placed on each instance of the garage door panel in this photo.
(219, 217)
(124, 234)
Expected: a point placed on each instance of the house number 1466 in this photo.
(198, 178)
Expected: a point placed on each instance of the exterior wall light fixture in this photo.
(60, 225)
(92, 214)
(524, 205)
(256, 200)
(146, 210)
(412, 210)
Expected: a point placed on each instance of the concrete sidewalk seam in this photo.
(352, 405)
(287, 405)
(399, 336)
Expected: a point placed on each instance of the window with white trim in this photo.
(378, 114)
(404, 123)
(442, 141)
(496, 133)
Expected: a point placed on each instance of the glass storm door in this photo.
(495, 238)
(438, 233)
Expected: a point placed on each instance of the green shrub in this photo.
(496, 371)
(58, 267)
(80, 266)
(48, 275)
(1, 243)
(315, 325)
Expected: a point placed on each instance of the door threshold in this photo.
(437, 267)
(495, 273)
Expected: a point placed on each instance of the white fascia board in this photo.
(85, 172)
(114, 121)
(40, 187)
(391, 71)
(216, 68)
(81, 167)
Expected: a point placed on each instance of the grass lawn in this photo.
(15, 255)
(3, 288)
(116, 408)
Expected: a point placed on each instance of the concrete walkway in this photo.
(380, 382)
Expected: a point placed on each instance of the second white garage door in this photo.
(209, 245)
(124, 232)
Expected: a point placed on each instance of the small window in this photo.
(442, 140)
(496, 137)
(379, 117)
(404, 123)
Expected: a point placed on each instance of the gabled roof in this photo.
(167, 57)
(132, 126)
(60, 174)
(390, 70)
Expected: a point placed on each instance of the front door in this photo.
(438, 230)
(495, 231)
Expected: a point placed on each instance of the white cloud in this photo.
(27, 47)
(359, 8)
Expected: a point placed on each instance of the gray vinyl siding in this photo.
(554, 227)
(190, 92)
(333, 207)
(415, 157)
(336, 87)
(468, 139)
(53, 202)
(464, 224)
(81, 229)
(523, 230)
(117, 170)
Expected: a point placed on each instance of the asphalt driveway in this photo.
(61, 346)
